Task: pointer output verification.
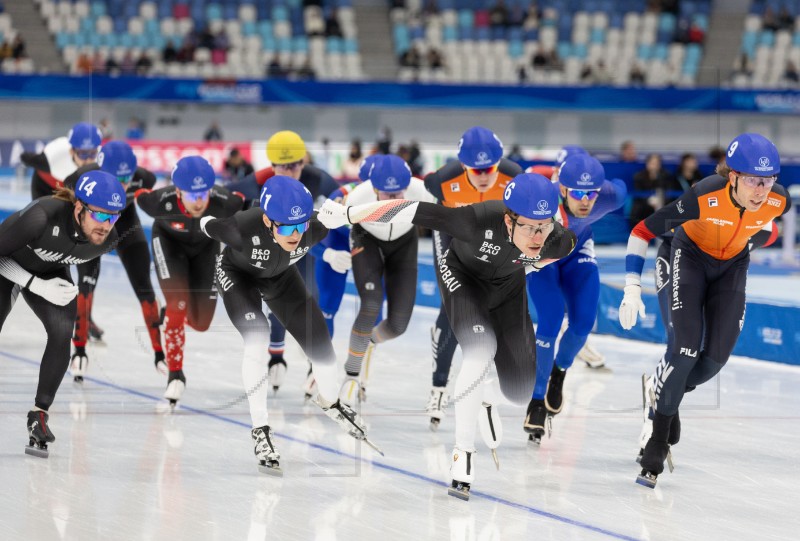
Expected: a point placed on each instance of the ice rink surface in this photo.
(123, 467)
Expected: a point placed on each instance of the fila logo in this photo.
(488, 234)
(688, 352)
(256, 240)
(542, 343)
(249, 316)
(477, 328)
(55, 231)
(455, 187)
(712, 202)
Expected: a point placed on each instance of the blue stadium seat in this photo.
(249, 28)
(598, 35)
(300, 44)
(643, 52)
(515, 49)
(333, 45)
(564, 49)
(449, 33)
(98, 9)
(767, 38)
(350, 45)
(580, 50)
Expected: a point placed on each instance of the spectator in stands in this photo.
(186, 52)
(742, 66)
(221, 41)
(128, 64)
(696, 33)
(98, 63)
(770, 21)
(213, 132)
(112, 68)
(5, 50)
(384, 141)
(522, 74)
(106, 130)
(18, 48)
(205, 38)
(516, 16)
(790, 75)
(587, 74)
(688, 172)
(411, 58)
(143, 64)
(785, 19)
(415, 160)
(170, 53)
(305, 72)
(531, 18)
(435, 60)
(135, 129)
(554, 61)
(515, 154)
(653, 187)
(236, 167)
(353, 161)
(332, 28)
(83, 65)
(539, 60)
(275, 70)
(637, 75)
(498, 15)
(717, 154)
(431, 8)
(315, 24)
(627, 152)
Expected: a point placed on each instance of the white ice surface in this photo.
(123, 468)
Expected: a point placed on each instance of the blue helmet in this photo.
(84, 136)
(753, 154)
(479, 148)
(532, 196)
(117, 158)
(286, 201)
(390, 174)
(101, 190)
(581, 172)
(567, 151)
(193, 174)
(366, 167)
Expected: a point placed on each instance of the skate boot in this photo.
(436, 406)
(350, 420)
(276, 372)
(593, 358)
(536, 421)
(176, 384)
(39, 434)
(648, 397)
(463, 473)
(161, 363)
(491, 429)
(266, 453)
(79, 364)
(310, 385)
(656, 451)
(352, 391)
(95, 332)
(554, 399)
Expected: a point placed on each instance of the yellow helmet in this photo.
(285, 147)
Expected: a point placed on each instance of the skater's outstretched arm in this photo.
(225, 230)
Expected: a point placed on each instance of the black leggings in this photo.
(703, 302)
(443, 340)
(394, 262)
(57, 321)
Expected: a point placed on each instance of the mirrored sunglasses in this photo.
(287, 230)
(86, 154)
(101, 216)
(476, 171)
(580, 194)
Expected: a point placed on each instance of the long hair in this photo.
(65, 194)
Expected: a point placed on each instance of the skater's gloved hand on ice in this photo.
(631, 306)
(333, 214)
(340, 260)
(55, 290)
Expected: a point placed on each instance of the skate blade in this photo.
(461, 492)
(36, 451)
(374, 447)
(639, 458)
(670, 465)
(646, 480)
(434, 426)
(535, 439)
(268, 469)
(598, 367)
(496, 459)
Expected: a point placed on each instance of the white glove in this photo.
(333, 215)
(630, 306)
(340, 260)
(56, 290)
